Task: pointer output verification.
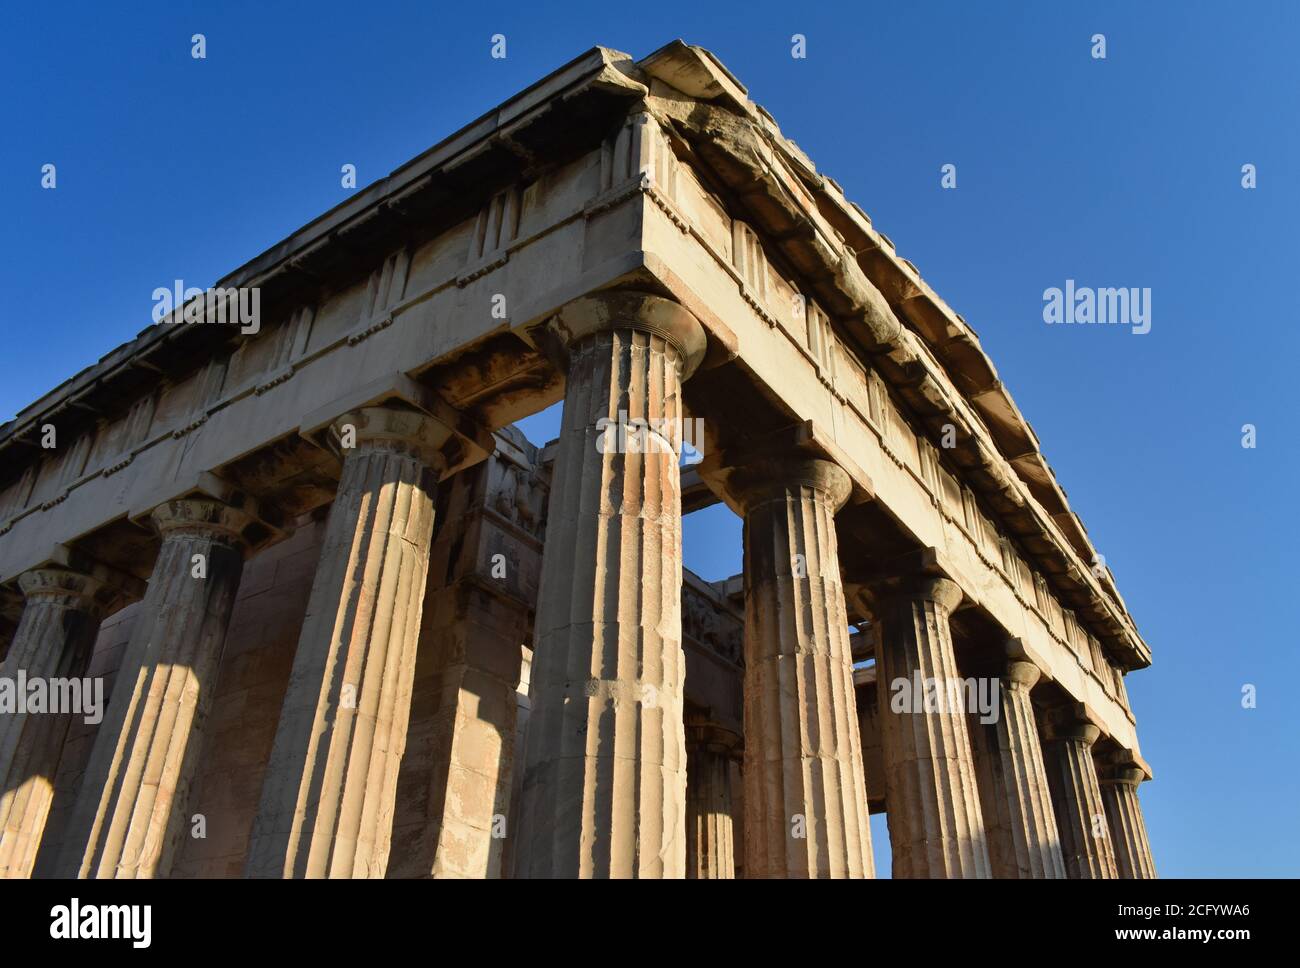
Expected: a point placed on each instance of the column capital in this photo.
(80, 590)
(628, 309)
(940, 591)
(763, 478)
(81, 580)
(799, 453)
(1115, 775)
(425, 437)
(1017, 652)
(202, 503)
(239, 528)
(1122, 768)
(919, 576)
(1020, 674)
(207, 517)
(467, 443)
(943, 592)
(706, 735)
(1072, 723)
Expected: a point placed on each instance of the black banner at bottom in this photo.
(288, 919)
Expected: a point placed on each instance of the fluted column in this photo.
(131, 813)
(710, 840)
(936, 827)
(1017, 804)
(326, 808)
(805, 789)
(54, 639)
(605, 768)
(476, 646)
(1119, 785)
(1076, 797)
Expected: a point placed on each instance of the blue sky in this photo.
(1117, 172)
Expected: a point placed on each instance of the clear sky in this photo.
(1123, 171)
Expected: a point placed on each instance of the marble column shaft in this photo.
(478, 657)
(54, 640)
(1128, 831)
(1019, 822)
(327, 800)
(936, 827)
(131, 814)
(1076, 797)
(710, 830)
(605, 773)
(805, 787)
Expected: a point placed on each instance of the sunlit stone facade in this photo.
(351, 623)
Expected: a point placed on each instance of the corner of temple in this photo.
(611, 309)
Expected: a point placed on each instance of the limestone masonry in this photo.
(352, 624)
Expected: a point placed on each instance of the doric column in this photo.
(476, 640)
(523, 710)
(1119, 781)
(326, 808)
(132, 810)
(936, 828)
(710, 842)
(54, 640)
(605, 775)
(1076, 796)
(1016, 802)
(805, 790)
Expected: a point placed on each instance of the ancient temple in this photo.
(351, 623)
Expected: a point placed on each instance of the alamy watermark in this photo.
(241, 306)
(638, 435)
(75, 921)
(78, 697)
(921, 694)
(1085, 305)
